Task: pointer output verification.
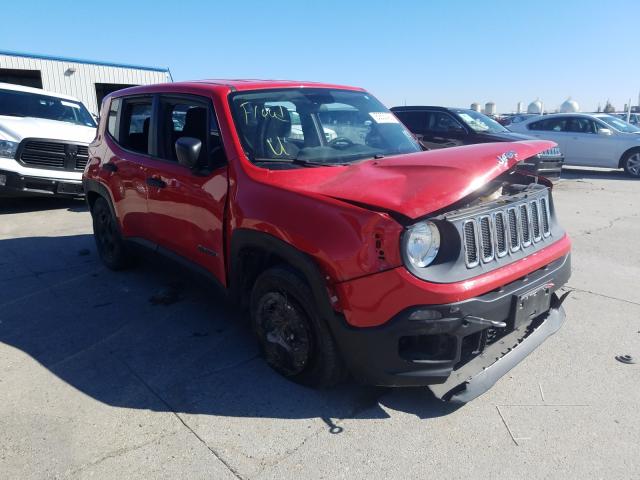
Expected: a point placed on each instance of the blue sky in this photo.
(446, 53)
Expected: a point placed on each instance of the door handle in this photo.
(156, 182)
(110, 167)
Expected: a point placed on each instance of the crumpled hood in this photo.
(17, 128)
(419, 183)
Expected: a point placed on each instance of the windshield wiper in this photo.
(13, 114)
(298, 161)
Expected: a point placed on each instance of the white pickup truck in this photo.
(43, 142)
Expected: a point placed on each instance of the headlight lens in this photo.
(8, 149)
(422, 242)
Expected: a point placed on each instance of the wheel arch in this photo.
(252, 252)
(94, 189)
(626, 153)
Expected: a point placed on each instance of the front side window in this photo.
(580, 125)
(317, 126)
(182, 117)
(479, 122)
(441, 122)
(27, 104)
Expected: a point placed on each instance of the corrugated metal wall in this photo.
(81, 83)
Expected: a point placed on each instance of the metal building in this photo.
(86, 80)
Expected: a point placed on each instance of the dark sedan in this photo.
(440, 127)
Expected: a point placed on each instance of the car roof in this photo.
(39, 91)
(411, 108)
(229, 85)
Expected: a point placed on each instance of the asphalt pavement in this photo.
(150, 373)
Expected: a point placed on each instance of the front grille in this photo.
(493, 235)
(53, 155)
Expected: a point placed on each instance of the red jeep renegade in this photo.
(353, 250)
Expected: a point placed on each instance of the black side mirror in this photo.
(188, 151)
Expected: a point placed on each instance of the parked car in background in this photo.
(441, 127)
(589, 139)
(515, 118)
(359, 253)
(43, 142)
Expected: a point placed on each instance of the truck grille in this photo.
(53, 155)
(491, 236)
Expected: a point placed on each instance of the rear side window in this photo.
(550, 125)
(414, 121)
(135, 124)
(113, 117)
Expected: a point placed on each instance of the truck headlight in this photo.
(8, 149)
(421, 243)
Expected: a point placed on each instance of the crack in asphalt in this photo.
(182, 421)
(116, 453)
(603, 295)
(611, 223)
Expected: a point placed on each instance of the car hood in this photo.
(414, 184)
(17, 128)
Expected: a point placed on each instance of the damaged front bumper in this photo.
(481, 373)
(459, 349)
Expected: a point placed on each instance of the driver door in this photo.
(186, 207)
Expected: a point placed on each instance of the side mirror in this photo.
(188, 151)
(455, 129)
(605, 131)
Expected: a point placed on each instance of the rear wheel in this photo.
(111, 247)
(631, 163)
(294, 339)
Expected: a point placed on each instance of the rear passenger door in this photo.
(127, 154)
(186, 207)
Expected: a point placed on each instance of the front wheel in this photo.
(294, 339)
(111, 247)
(631, 163)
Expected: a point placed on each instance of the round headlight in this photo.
(422, 242)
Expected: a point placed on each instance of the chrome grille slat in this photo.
(486, 238)
(500, 234)
(525, 225)
(506, 230)
(544, 210)
(472, 257)
(514, 230)
(535, 220)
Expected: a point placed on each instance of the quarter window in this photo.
(112, 118)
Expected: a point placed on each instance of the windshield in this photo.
(317, 126)
(479, 122)
(619, 124)
(26, 104)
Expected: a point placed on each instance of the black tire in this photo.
(294, 339)
(631, 163)
(110, 245)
